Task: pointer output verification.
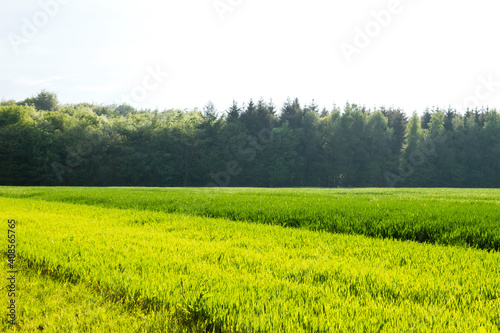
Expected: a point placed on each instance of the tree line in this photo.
(253, 144)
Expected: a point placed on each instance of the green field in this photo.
(255, 260)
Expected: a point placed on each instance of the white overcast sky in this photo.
(430, 53)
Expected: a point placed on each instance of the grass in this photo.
(466, 217)
(47, 303)
(184, 272)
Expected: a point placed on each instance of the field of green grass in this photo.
(255, 260)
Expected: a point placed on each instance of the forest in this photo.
(254, 144)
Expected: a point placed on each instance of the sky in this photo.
(410, 54)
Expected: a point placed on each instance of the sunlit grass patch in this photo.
(211, 274)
